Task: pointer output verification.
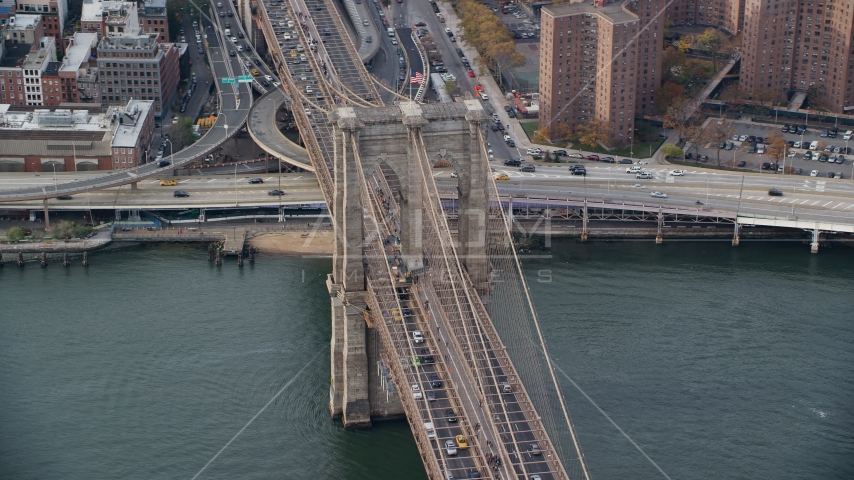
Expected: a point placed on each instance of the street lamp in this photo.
(171, 152)
(631, 148)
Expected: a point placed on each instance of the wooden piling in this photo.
(43, 259)
(65, 262)
(20, 259)
(239, 259)
(218, 258)
(85, 259)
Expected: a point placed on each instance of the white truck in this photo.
(390, 32)
(227, 32)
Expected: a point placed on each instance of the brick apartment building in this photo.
(800, 46)
(152, 18)
(727, 15)
(600, 61)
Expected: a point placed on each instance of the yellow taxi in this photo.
(502, 176)
(254, 72)
(168, 183)
(396, 315)
(462, 442)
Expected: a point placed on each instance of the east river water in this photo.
(717, 362)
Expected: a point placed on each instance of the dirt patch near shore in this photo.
(300, 243)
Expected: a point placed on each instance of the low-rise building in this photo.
(152, 18)
(21, 68)
(75, 140)
(54, 15)
(109, 17)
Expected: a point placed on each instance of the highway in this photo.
(204, 192)
(819, 199)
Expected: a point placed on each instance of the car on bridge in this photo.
(416, 392)
(168, 183)
(450, 448)
(658, 195)
(434, 381)
(256, 180)
(275, 193)
(64, 197)
(677, 173)
(180, 193)
(450, 415)
(502, 176)
(775, 193)
(462, 442)
(417, 336)
(534, 449)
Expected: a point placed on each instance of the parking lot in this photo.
(754, 161)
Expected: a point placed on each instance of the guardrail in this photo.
(424, 61)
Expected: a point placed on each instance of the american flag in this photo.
(417, 78)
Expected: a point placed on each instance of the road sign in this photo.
(227, 80)
(244, 79)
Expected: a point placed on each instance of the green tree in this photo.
(182, 133)
(16, 234)
(67, 229)
(672, 151)
(450, 87)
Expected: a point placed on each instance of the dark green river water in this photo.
(718, 362)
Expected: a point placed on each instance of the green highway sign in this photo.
(244, 78)
(227, 80)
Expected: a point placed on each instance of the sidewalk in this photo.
(496, 97)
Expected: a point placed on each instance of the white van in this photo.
(390, 32)
(814, 145)
(431, 433)
(760, 149)
(227, 32)
(634, 169)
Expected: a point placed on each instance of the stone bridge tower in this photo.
(383, 139)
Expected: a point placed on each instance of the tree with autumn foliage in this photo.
(718, 133)
(667, 95)
(776, 147)
(592, 133)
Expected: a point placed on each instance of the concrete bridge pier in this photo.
(46, 216)
(411, 204)
(584, 220)
(348, 395)
(659, 237)
(815, 238)
(134, 186)
(735, 235)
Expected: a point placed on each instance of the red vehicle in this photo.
(593, 157)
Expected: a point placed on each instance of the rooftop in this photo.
(15, 54)
(145, 41)
(52, 69)
(79, 52)
(22, 22)
(130, 121)
(613, 12)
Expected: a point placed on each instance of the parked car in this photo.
(560, 153)
(626, 161)
(595, 158)
(741, 163)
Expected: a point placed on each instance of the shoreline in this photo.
(318, 243)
